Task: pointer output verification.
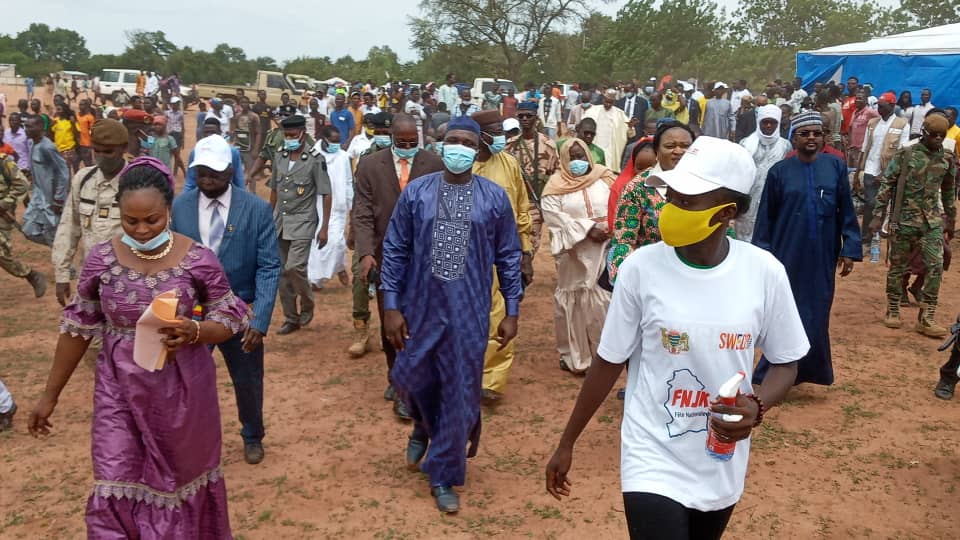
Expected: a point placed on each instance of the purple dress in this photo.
(155, 436)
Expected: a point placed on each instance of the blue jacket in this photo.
(238, 181)
(248, 252)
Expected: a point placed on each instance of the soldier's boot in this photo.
(365, 339)
(892, 317)
(37, 280)
(926, 323)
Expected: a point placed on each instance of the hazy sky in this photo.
(300, 27)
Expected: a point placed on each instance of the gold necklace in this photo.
(166, 251)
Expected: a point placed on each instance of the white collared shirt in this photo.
(206, 213)
(396, 164)
(871, 164)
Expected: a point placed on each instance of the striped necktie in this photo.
(216, 226)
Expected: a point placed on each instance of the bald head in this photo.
(403, 122)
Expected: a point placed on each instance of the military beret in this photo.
(527, 106)
(293, 122)
(109, 132)
(484, 118)
(380, 119)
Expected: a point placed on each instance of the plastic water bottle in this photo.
(875, 248)
(717, 449)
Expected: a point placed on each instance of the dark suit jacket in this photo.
(639, 110)
(376, 193)
(249, 251)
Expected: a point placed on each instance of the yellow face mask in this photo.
(679, 227)
(369, 131)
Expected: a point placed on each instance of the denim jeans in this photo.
(871, 186)
(246, 372)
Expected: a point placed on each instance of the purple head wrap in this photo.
(148, 161)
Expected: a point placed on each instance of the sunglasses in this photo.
(807, 134)
(524, 116)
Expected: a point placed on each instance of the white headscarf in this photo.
(764, 113)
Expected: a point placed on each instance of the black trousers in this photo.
(655, 517)
(948, 371)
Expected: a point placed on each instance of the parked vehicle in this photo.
(273, 83)
(118, 85)
(483, 85)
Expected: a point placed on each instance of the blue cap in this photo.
(527, 106)
(464, 123)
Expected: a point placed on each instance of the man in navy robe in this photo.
(807, 220)
(448, 229)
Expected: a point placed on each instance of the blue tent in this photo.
(911, 61)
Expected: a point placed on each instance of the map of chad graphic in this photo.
(687, 404)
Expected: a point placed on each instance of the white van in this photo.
(485, 85)
(114, 82)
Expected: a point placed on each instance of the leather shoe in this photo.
(288, 328)
(944, 390)
(447, 499)
(416, 449)
(253, 453)
(390, 394)
(401, 411)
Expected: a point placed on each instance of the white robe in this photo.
(327, 262)
(580, 304)
(764, 156)
(612, 126)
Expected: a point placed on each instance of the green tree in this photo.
(58, 45)
(648, 38)
(147, 50)
(515, 28)
(808, 24)
(927, 13)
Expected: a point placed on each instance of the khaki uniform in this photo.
(91, 215)
(297, 219)
(13, 187)
(538, 160)
(503, 169)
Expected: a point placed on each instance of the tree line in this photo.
(529, 40)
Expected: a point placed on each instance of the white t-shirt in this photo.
(686, 331)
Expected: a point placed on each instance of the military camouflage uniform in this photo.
(13, 186)
(929, 206)
(538, 161)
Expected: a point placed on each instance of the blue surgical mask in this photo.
(629, 95)
(333, 147)
(578, 167)
(458, 158)
(498, 144)
(438, 148)
(291, 144)
(586, 105)
(406, 153)
(383, 141)
(149, 245)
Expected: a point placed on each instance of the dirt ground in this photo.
(874, 456)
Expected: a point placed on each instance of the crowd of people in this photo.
(658, 200)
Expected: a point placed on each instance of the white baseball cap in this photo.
(174, 99)
(709, 164)
(213, 152)
(510, 124)
(720, 84)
